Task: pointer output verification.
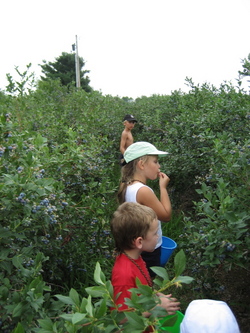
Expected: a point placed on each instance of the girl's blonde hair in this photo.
(127, 176)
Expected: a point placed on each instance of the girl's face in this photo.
(151, 239)
(152, 167)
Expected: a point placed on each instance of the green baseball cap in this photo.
(141, 148)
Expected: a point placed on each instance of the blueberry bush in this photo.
(59, 176)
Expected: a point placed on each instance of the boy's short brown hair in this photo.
(130, 221)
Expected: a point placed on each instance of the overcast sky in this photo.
(131, 47)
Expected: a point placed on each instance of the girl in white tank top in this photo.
(141, 165)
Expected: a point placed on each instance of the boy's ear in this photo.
(138, 242)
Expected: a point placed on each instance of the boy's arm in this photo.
(123, 142)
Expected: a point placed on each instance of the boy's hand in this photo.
(170, 304)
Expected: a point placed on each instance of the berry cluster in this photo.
(40, 174)
(2, 150)
(21, 198)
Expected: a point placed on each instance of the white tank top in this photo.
(130, 196)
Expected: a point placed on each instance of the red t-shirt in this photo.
(124, 276)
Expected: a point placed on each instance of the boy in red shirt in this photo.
(134, 228)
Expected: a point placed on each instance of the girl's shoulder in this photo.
(138, 185)
(145, 196)
(133, 190)
(145, 187)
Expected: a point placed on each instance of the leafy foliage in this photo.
(63, 69)
(59, 176)
(93, 314)
(246, 67)
(26, 83)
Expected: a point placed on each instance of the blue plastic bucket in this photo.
(167, 248)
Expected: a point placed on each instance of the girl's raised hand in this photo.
(163, 179)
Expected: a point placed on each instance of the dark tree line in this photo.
(63, 68)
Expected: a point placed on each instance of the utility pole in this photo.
(78, 82)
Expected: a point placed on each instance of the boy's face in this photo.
(129, 124)
(150, 241)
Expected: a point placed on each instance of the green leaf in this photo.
(184, 279)
(40, 191)
(29, 158)
(4, 252)
(160, 271)
(179, 263)
(65, 299)
(6, 266)
(40, 141)
(97, 291)
(135, 320)
(143, 289)
(78, 318)
(73, 294)
(89, 307)
(83, 305)
(19, 329)
(158, 282)
(158, 312)
(46, 325)
(208, 210)
(110, 289)
(67, 316)
(36, 283)
(100, 312)
(10, 180)
(4, 233)
(4, 293)
(47, 181)
(16, 261)
(19, 309)
(110, 328)
(98, 275)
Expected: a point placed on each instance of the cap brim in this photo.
(159, 152)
